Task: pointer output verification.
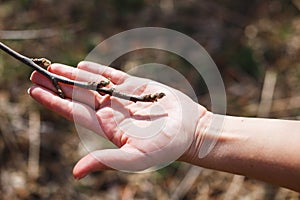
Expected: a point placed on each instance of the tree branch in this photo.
(37, 64)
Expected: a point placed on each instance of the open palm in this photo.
(146, 134)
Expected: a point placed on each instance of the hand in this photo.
(147, 134)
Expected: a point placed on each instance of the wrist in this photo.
(203, 123)
(208, 134)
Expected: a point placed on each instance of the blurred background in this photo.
(255, 44)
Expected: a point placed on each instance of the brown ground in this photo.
(252, 43)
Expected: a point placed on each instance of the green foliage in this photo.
(127, 6)
(26, 4)
(170, 170)
(244, 60)
(13, 72)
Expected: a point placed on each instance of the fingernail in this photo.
(79, 176)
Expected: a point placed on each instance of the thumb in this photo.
(125, 159)
(88, 164)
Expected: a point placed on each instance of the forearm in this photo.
(265, 149)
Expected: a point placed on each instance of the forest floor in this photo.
(255, 45)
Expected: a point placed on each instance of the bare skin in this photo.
(265, 149)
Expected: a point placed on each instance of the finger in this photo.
(50, 100)
(75, 73)
(88, 97)
(118, 159)
(71, 110)
(86, 165)
(42, 80)
(116, 76)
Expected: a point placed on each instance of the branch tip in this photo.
(39, 64)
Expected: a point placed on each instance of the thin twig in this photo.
(186, 183)
(34, 145)
(27, 34)
(234, 187)
(56, 79)
(267, 93)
